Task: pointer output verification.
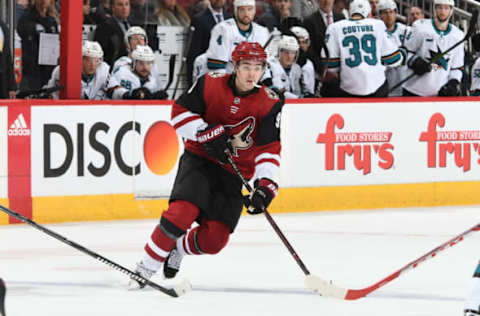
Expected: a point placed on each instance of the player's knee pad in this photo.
(212, 236)
(178, 218)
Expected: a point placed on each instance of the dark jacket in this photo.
(317, 28)
(7, 78)
(203, 22)
(30, 25)
(111, 37)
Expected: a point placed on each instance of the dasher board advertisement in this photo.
(3, 152)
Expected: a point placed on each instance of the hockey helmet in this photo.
(249, 51)
(134, 30)
(92, 49)
(386, 5)
(143, 53)
(288, 43)
(242, 3)
(361, 7)
(447, 2)
(301, 32)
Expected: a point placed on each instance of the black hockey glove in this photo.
(141, 93)
(476, 42)
(215, 142)
(160, 95)
(419, 65)
(450, 89)
(261, 197)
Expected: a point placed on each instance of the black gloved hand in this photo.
(261, 197)
(141, 93)
(160, 95)
(215, 142)
(419, 65)
(450, 89)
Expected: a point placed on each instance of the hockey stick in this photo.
(271, 221)
(332, 290)
(186, 49)
(180, 289)
(171, 69)
(3, 292)
(437, 57)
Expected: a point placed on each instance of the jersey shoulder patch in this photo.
(271, 94)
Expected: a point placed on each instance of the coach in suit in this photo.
(7, 78)
(316, 25)
(203, 22)
(110, 34)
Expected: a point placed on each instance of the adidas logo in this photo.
(19, 127)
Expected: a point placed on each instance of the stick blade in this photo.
(324, 288)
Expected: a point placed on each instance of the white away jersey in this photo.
(360, 50)
(127, 61)
(288, 82)
(396, 74)
(425, 40)
(308, 78)
(225, 37)
(94, 89)
(125, 80)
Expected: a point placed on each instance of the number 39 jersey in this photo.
(360, 50)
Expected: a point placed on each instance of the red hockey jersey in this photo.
(252, 122)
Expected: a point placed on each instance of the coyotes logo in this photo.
(240, 134)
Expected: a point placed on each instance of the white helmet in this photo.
(134, 30)
(242, 3)
(448, 2)
(361, 7)
(92, 49)
(386, 5)
(288, 43)
(143, 53)
(301, 32)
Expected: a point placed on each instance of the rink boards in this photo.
(74, 160)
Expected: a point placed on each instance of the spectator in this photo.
(303, 8)
(362, 73)
(102, 11)
(396, 31)
(286, 73)
(304, 60)
(110, 33)
(140, 12)
(136, 82)
(427, 38)
(95, 73)
(40, 18)
(7, 78)
(203, 24)
(227, 34)
(20, 8)
(169, 13)
(415, 14)
(340, 7)
(373, 6)
(88, 15)
(275, 17)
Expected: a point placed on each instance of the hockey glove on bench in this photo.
(419, 65)
(215, 142)
(261, 197)
(450, 89)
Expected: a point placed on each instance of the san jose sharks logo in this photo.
(240, 134)
(441, 62)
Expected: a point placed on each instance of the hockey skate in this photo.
(142, 271)
(171, 265)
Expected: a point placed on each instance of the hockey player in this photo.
(472, 304)
(286, 73)
(135, 36)
(95, 73)
(220, 115)
(304, 61)
(387, 10)
(359, 50)
(475, 71)
(135, 82)
(427, 38)
(229, 33)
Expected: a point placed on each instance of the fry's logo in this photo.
(340, 144)
(455, 143)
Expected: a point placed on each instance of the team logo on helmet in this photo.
(240, 134)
